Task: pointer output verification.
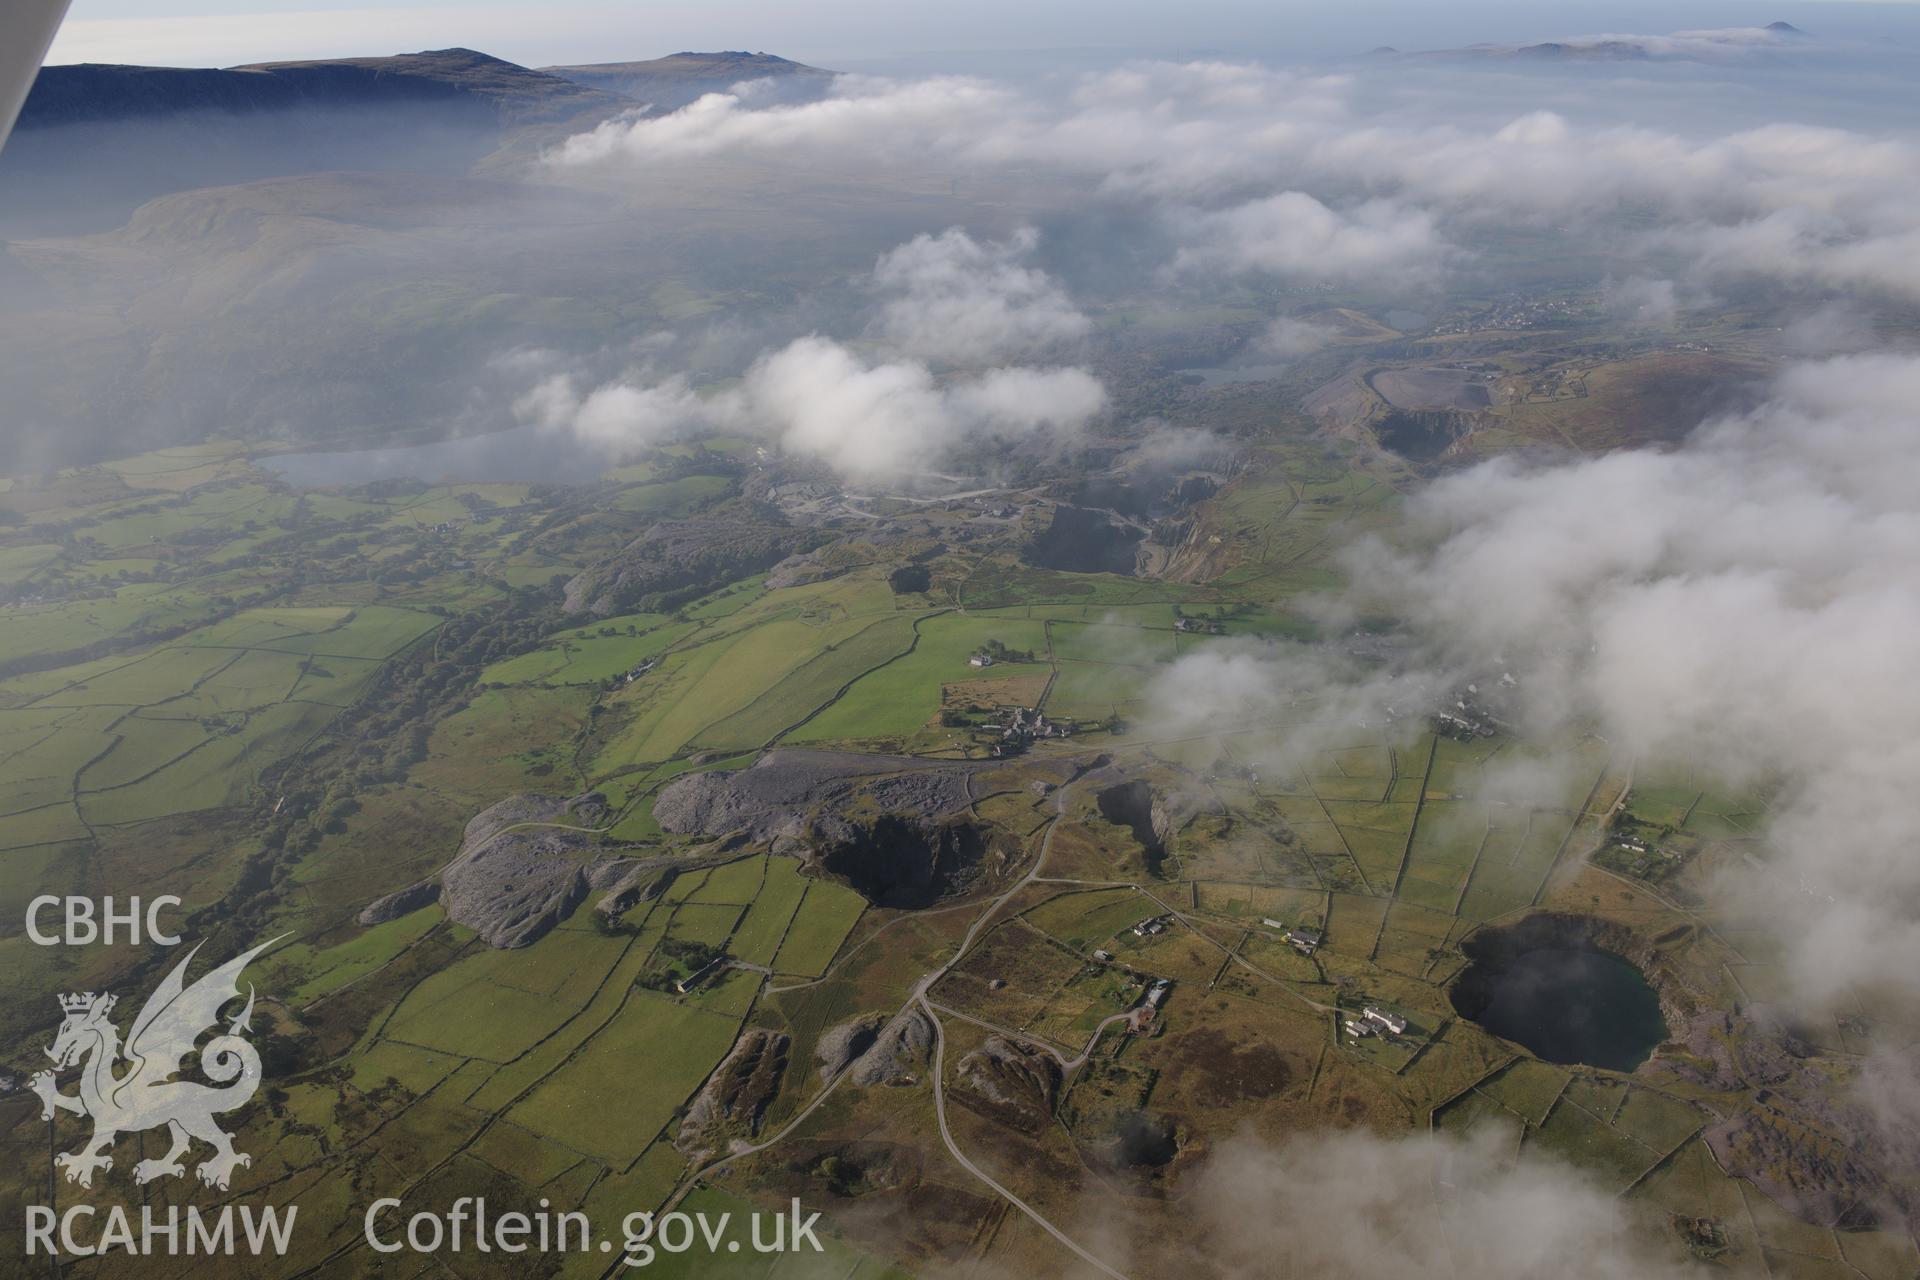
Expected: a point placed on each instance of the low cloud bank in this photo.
(1304, 176)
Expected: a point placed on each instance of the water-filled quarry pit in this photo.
(1552, 984)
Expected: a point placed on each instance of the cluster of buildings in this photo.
(1150, 927)
(1197, 626)
(998, 510)
(1023, 726)
(1301, 938)
(1640, 846)
(1374, 1020)
(635, 673)
(1143, 1013)
(1512, 313)
(1473, 714)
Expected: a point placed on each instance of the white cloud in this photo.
(955, 299)
(618, 418)
(893, 418)
(1351, 1205)
(861, 116)
(818, 398)
(1747, 602)
(1296, 236)
(1280, 172)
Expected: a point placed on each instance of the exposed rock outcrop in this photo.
(521, 869)
(1010, 1082)
(893, 828)
(844, 1043)
(736, 1095)
(898, 1053)
(400, 903)
(777, 795)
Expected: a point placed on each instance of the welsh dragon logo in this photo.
(145, 1095)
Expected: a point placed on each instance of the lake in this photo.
(1576, 1006)
(523, 454)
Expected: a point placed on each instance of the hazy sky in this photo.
(866, 34)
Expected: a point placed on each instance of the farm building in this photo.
(1386, 1018)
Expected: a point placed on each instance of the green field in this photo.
(819, 926)
(678, 1045)
(901, 697)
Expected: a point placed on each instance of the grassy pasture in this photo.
(42, 771)
(699, 686)
(1094, 690)
(374, 631)
(217, 773)
(335, 682)
(589, 655)
(18, 563)
(54, 823)
(1084, 921)
(758, 938)
(251, 627)
(253, 678)
(705, 922)
(898, 699)
(331, 968)
(160, 676)
(143, 745)
(735, 883)
(820, 924)
(678, 1045)
(495, 1005)
(1106, 642)
(810, 686)
(1527, 1088)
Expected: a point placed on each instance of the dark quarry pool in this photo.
(1568, 1005)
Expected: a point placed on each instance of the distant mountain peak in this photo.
(679, 78)
(106, 92)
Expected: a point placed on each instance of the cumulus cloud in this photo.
(820, 399)
(1296, 236)
(1356, 1206)
(617, 418)
(1748, 602)
(956, 299)
(891, 418)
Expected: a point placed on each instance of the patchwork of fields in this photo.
(186, 726)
